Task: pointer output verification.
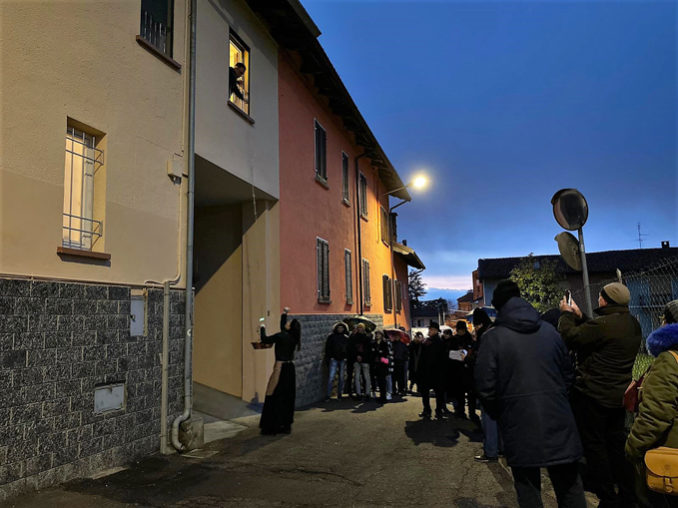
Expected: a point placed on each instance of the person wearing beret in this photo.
(606, 348)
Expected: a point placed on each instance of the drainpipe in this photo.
(188, 349)
(359, 229)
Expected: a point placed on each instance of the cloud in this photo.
(448, 281)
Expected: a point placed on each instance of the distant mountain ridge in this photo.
(448, 294)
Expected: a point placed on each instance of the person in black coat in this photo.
(400, 361)
(522, 376)
(359, 352)
(381, 361)
(431, 371)
(335, 357)
(234, 75)
(278, 413)
(413, 364)
(491, 439)
(467, 343)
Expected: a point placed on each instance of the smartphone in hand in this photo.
(568, 297)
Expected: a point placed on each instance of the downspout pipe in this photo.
(188, 319)
(359, 231)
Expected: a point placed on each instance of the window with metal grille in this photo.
(320, 151)
(348, 269)
(344, 178)
(156, 24)
(239, 73)
(385, 230)
(388, 297)
(367, 295)
(398, 290)
(363, 195)
(323, 261)
(80, 230)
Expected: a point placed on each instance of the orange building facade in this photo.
(334, 221)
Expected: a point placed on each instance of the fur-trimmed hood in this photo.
(340, 323)
(663, 339)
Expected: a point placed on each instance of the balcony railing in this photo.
(157, 33)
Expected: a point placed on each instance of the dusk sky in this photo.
(502, 104)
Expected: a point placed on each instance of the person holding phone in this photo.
(606, 348)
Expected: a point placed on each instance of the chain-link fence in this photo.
(651, 288)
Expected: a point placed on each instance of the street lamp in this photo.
(419, 182)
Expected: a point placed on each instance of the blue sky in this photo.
(503, 103)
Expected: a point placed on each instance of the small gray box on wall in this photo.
(109, 398)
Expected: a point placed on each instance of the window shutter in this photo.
(344, 176)
(348, 270)
(326, 271)
(319, 264)
(398, 295)
(366, 282)
(388, 300)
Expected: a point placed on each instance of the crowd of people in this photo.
(557, 394)
(362, 363)
(551, 390)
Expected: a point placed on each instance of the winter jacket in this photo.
(336, 344)
(359, 346)
(657, 420)
(431, 365)
(606, 349)
(522, 377)
(381, 351)
(400, 351)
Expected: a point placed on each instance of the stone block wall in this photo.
(309, 361)
(58, 341)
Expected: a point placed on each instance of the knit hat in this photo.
(671, 312)
(435, 325)
(506, 289)
(616, 292)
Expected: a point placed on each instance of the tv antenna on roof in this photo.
(640, 237)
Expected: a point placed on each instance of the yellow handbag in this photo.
(661, 465)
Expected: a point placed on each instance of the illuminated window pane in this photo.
(239, 86)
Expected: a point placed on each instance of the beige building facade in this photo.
(92, 210)
(237, 268)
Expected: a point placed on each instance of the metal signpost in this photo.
(571, 210)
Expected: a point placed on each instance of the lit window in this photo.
(156, 24)
(322, 249)
(348, 268)
(84, 160)
(320, 151)
(363, 195)
(345, 178)
(239, 74)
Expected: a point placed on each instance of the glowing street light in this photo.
(419, 182)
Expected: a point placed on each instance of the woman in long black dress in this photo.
(278, 413)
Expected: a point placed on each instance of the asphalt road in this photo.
(340, 453)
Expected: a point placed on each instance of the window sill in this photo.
(322, 181)
(241, 113)
(363, 216)
(86, 254)
(162, 56)
(324, 301)
(346, 202)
